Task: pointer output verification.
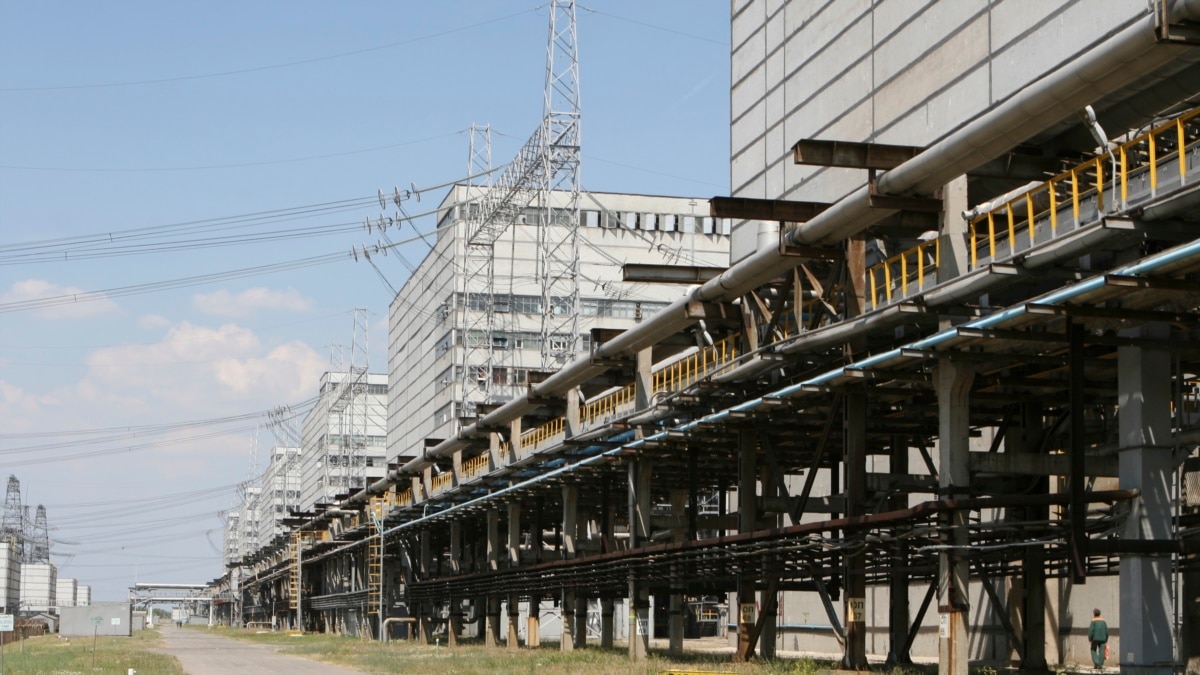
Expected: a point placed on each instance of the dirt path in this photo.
(204, 652)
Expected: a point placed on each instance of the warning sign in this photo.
(856, 610)
(747, 613)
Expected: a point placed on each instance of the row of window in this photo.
(629, 220)
(532, 304)
(352, 441)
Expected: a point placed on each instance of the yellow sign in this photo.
(856, 610)
(747, 613)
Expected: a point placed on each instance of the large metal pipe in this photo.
(1108, 66)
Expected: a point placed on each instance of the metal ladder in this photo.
(375, 559)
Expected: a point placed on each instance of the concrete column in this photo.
(953, 382)
(676, 617)
(643, 382)
(1146, 463)
(855, 471)
(514, 561)
(455, 547)
(571, 426)
(491, 636)
(898, 610)
(639, 535)
(514, 440)
(745, 609)
(426, 627)
(606, 623)
(570, 527)
(1025, 437)
(955, 254)
(533, 638)
(579, 634)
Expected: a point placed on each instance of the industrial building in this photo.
(65, 591)
(940, 400)
(344, 437)
(38, 584)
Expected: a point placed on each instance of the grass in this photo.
(473, 658)
(52, 655)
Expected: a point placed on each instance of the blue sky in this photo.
(132, 116)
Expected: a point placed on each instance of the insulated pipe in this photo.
(1162, 262)
(1105, 68)
(1108, 66)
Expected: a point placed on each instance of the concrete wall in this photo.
(64, 592)
(83, 595)
(430, 315)
(115, 620)
(890, 71)
(37, 586)
(10, 578)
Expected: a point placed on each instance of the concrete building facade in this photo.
(38, 583)
(280, 493)
(83, 595)
(344, 437)
(10, 577)
(65, 591)
(436, 357)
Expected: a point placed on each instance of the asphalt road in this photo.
(204, 652)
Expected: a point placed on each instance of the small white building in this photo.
(38, 581)
(344, 437)
(10, 577)
(83, 595)
(453, 344)
(64, 592)
(280, 485)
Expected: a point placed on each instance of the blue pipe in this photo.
(1053, 298)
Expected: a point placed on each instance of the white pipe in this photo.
(1110, 65)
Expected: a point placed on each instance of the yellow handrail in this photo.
(1142, 153)
(915, 258)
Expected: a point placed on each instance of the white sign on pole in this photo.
(6, 623)
(116, 621)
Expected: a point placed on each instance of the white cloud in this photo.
(71, 307)
(153, 322)
(225, 303)
(203, 367)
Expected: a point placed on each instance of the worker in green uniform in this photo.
(1098, 636)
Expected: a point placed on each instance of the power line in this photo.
(274, 66)
(206, 167)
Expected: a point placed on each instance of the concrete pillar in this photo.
(1146, 463)
(570, 527)
(571, 426)
(675, 620)
(898, 610)
(533, 638)
(606, 623)
(643, 379)
(955, 254)
(639, 535)
(953, 383)
(1025, 437)
(579, 634)
(855, 471)
(514, 440)
(745, 609)
(491, 636)
(514, 561)
(426, 618)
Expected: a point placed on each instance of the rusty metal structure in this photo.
(900, 392)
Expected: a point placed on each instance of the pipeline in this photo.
(1108, 66)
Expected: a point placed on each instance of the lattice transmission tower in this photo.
(545, 174)
(12, 527)
(40, 541)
